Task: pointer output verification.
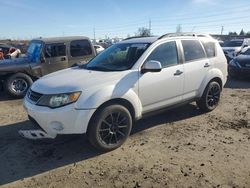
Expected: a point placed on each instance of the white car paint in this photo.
(98, 48)
(145, 92)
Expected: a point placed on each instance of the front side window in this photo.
(80, 48)
(192, 50)
(55, 50)
(166, 54)
(118, 57)
(209, 48)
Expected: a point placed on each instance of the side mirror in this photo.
(151, 66)
(245, 46)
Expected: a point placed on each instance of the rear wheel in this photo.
(210, 98)
(110, 127)
(18, 84)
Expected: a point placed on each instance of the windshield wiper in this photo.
(98, 68)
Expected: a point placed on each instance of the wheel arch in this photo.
(214, 75)
(116, 101)
(7, 75)
(217, 79)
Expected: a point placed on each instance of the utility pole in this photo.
(94, 34)
(149, 26)
(193, 29)
(222, 28)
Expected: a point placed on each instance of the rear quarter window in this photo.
(80, 48)
(209, 48)
(192, 50)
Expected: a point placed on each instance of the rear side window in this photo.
(55, 50)
(80, 48)
(166, 54)
(209, 48)
(192, 50)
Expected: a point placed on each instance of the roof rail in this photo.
(184, 34)
(135, 37)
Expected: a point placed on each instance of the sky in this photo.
(26, 19)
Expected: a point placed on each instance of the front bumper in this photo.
(64, 120)
(236, 71)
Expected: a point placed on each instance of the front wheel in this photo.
(110, 127)
(18, 84)
(210, 98)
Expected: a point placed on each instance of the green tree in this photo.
(143, 32)
(242, 32)
(232, 33)
(178, 28)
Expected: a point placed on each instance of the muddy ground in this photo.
(177, 148)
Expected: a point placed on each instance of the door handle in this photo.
(63, 59)
(206, 65)
(177, 73)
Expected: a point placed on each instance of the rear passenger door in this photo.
(196, 67)
(80, 52)
(55, 58)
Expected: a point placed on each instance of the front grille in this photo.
(34, 96)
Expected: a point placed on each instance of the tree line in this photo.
(145, 32)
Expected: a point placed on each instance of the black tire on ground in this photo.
(18, 84)
(109, 127)
(210, 98)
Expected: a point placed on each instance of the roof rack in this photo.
(184, 34)
(135, 37)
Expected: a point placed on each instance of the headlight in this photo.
(58, 100)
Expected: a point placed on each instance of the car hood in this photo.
(9, 64)
(74, 79)
(236, 49)
(14, 61)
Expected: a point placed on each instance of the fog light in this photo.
(57, 126)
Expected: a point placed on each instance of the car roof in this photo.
(61, 39)
(168, 35)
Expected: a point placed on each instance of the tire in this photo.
(210, 98)
(110, 127)
(17, 85)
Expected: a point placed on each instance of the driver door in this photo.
(165, 88)
(55, 58)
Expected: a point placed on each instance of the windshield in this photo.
(34, 50)
(237, 43)
(118, 57)
(247, 52)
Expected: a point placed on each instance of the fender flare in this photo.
(107, 94)
(212, 74)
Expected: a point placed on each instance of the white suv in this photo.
(125, 82)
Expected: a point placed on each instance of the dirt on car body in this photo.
(177, 148)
